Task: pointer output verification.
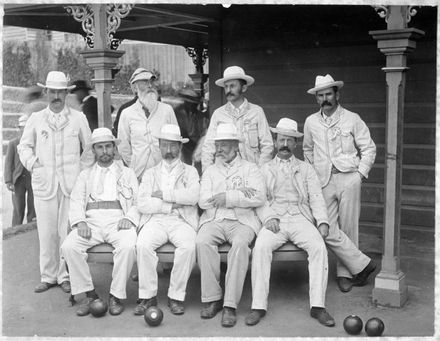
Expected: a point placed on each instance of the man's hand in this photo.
(10, 186)
(157, 194)
(218, 200)
(84, 230)
(248, 192)
(273, 225)
(323, 230)
(124, 224)
(361, 176)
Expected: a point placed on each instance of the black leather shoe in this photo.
(144, 304)
(65, 286)
(254, 317)
(322, 316)
(211, 309)
(44, 286)
(344, 284)
(229, 318)
(176, 307)
(84, 307)
(115, 306)
(361, 278)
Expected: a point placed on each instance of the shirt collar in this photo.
(62, 112)
(110, 168)
(289, 160)
(169, 167)
(334, 115)
(240, 108)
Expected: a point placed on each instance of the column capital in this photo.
(400, 41)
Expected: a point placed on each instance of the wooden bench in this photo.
(102, 253)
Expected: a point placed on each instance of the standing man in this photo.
(88, 103)
(256, 144)
(102, 211)
(18, 180)
(139, 148)
(50, 150)
(294, 211)
(230, 191)
(339, 146)
(168, 198)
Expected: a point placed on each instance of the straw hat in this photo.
(234, 72)
(288, 127)
(171, 132)
(56, 80)
(102, 135)
(324, 82)
(226, 131)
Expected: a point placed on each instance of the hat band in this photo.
(226, 137)
(56, 84)
(170, 137)
(106, 138)
(287, 131)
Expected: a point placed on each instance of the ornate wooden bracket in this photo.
(199, 56)
(86, 16)
(384, 13)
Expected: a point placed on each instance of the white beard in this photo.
(149, 99)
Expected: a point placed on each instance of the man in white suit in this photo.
(50, 150)
(139, 148)
(102, 210)
(295, 210)
(168, 196)
(230, 191)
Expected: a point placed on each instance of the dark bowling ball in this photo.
(374, 327)
(353, 324)
(153, 316)
(98, 308)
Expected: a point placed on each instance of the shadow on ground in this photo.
(50, 314)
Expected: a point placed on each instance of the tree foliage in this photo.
(16, 64)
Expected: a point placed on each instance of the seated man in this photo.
(102, 211)
(295, 210)
(168, 197)
(230, 190)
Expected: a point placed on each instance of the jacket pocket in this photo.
(252, 132)
(347, 142)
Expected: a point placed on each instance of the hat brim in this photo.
(313, 91)
(182, 140)
(248, 79)
(291, 133)
(57, 87)
(227, 139)
(91, 143)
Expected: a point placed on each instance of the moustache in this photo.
(219, 154)
(326, 103)
(169, 156)
(56, 100)
(287, 149)
(229, 94)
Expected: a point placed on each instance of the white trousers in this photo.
(104, 229)
(210, 236)
(343, 198)
(304, 235)
(155, 233)
(52, 225)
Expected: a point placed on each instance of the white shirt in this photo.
(109, 192)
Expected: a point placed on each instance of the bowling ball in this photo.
(98, 308)
(374, 327)
(153, 316)
(353, 324)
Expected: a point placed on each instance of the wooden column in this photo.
(396, 42)
(215, 51)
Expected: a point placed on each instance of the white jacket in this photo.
(139, 148)
(56, 149)
(126, 188)
(185, 192)
(216, 180)
(257, 143)
(345, 143)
